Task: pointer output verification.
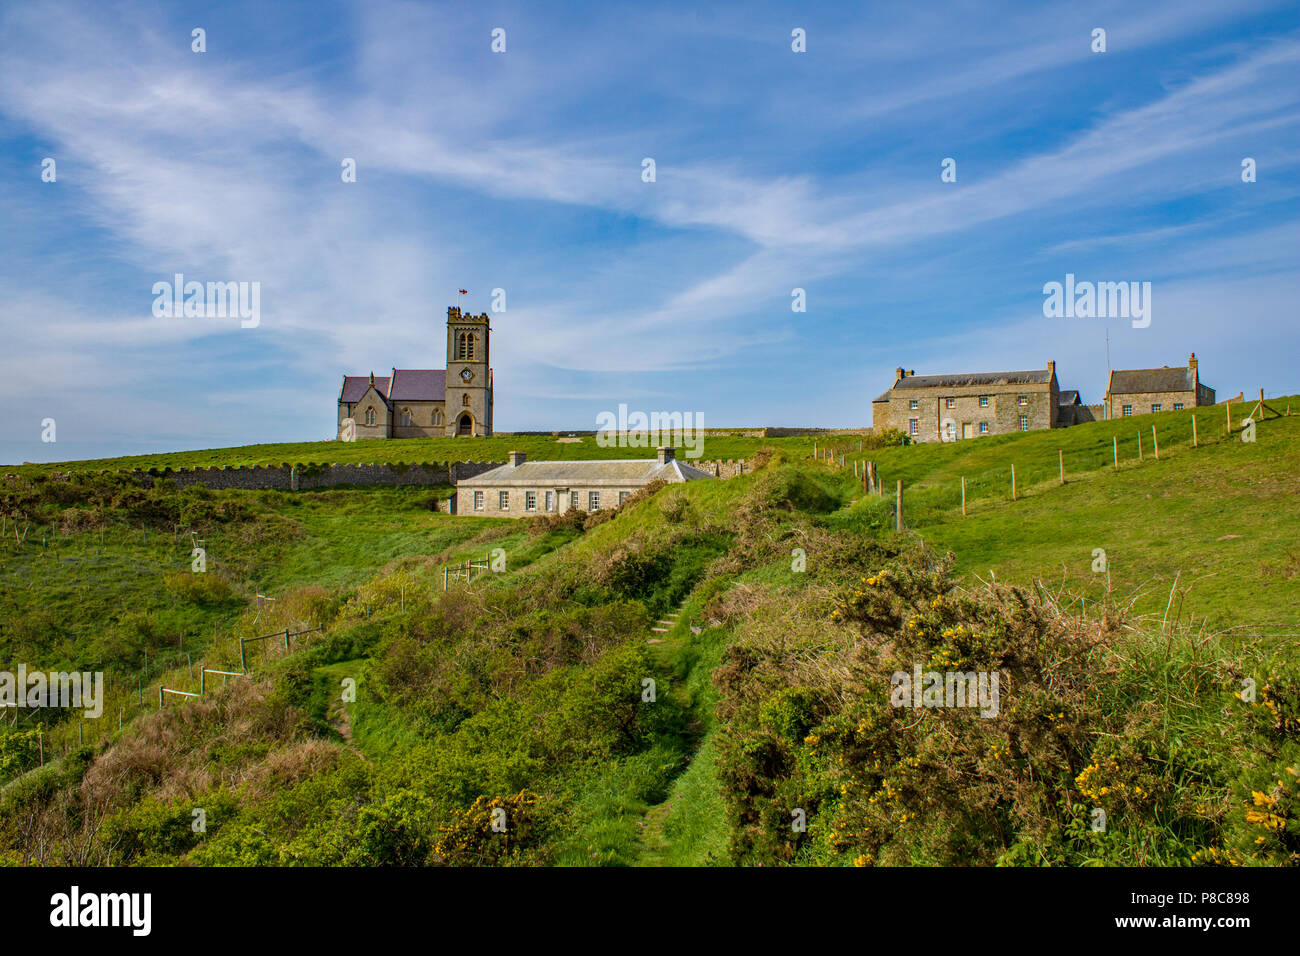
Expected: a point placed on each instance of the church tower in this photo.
(469, 375)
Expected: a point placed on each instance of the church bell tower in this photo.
(469, 374)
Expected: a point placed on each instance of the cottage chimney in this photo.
(517, 458)
(898, 374)
(666, 453)
(911, 372)
(1191, 361)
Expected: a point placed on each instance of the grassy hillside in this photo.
(1221, 517)
(715, 445)
(540, 691)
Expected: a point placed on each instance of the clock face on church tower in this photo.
(466, 374)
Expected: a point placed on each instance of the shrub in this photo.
(1084, 723)
(206, 589)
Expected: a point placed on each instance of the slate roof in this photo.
(354, 386)
(1069, 396)
(620, 472)
(418, 385)
(1035, 376)
(407, 385)
(1125, 381)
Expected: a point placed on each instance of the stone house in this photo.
(971, 405)
(1140, 391)
(426, 402)
(524, 489)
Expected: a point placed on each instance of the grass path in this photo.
(688, 828)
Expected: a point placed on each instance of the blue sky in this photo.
(522, 170)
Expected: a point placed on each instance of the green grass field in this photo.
(719, 445)
(516, 690)
(1221, 517)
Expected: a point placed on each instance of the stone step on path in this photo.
(663, 626)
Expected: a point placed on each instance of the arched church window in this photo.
(370, 416)
(464, 399)
(437, 416)
(407, 419)
(465, 347)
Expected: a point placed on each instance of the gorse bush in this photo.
(1071, 767)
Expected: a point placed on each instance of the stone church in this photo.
(426, 402)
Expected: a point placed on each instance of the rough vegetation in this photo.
(533, 718)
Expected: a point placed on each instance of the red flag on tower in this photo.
(464, 291)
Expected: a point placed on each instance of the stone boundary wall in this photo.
(797, 432)
(721, 469)
(288, 477)
(309, 477)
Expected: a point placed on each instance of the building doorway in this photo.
(465, 426)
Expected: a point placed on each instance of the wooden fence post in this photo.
(1061, 454)
(1139, 444)
(1013, 482)
(1227, 407)
(898, 510)
(1114, 441)
(963, 496)
(1194, 443)
(1155, 441)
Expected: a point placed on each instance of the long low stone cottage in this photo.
(522, 489)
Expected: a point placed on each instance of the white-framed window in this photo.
(593, 501)
(913, 405)
(478, 501)
(503, 501)
(950, 403)
(1022, 399)
(984, 428)
(914, 426)
(1156, 406)
(530, 501)
(984, 401)
(1126, 411)
(550, 501)
(573, 499)
(1178, 406)
(622, 497)
(1024, 423)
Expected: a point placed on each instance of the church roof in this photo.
(418, 385)
(1069, 396)
(404, 385)
(355, 386)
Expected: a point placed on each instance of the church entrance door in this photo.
(465, 426)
